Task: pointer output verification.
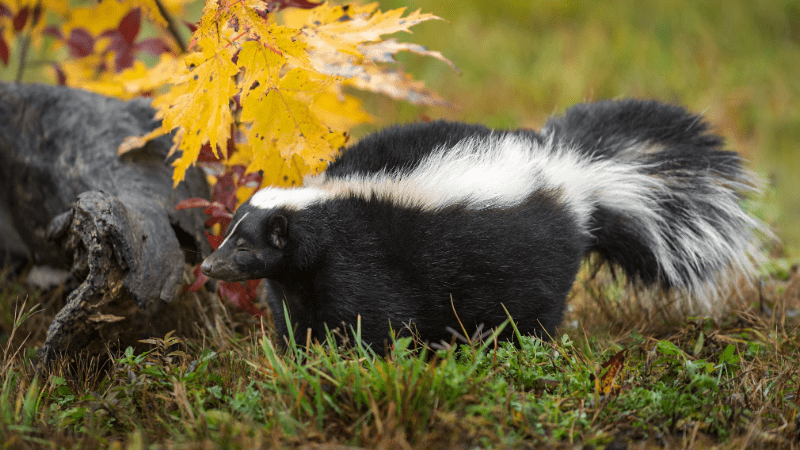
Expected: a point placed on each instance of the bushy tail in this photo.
(687, 230)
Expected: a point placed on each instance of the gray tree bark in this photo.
(70, 201)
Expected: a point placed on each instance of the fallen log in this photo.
(68, 200)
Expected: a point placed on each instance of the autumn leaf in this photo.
(242, 294)
(197, 105)
(288, 78)
(282, 120)
(261, 66)
(384, 51)
(612, 368)
(342, 26)
(80, 42)
(344, 41)
(397, 85)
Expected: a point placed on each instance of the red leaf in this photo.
(237, 170)
(195, 202)
(215, 241)
(53, 31)
(224, 191)
(80, 42)
(3, 50)
(216, 209)
(21, 19)
(153, 46)
(123, 51)
(192, 26)
(206, 155)
(123, 61)
(222, 221)
(130, 24)
(242, 296)
(199, 280)
(5, 11)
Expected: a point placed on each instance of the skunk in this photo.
(432, 227)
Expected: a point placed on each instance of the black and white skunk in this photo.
(415, 221)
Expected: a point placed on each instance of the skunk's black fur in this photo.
(415, 221)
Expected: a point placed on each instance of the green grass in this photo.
(693, 383)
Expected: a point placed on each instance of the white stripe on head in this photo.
(233, 230)
(294, 198)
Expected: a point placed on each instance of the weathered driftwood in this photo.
(74, 203)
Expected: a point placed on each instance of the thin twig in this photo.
(172, 27)
(23, 54)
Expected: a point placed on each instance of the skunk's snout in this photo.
(207, 267)
(218, 267)
(221, 265)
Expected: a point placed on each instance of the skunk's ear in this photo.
(277, 229)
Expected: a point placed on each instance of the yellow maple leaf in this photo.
(343, 28)
(261, 66)
(282, 121)
(396, 84)
(279, 38)
(289, 75)
(197, 105)
(345, 41)
(277, 170)
(325, 14)
(384, 51)
(368, 25)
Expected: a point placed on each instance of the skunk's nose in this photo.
(207, 267)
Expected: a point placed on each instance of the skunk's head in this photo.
(253, 247)
(255, 243)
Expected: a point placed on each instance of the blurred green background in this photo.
(521, 61)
